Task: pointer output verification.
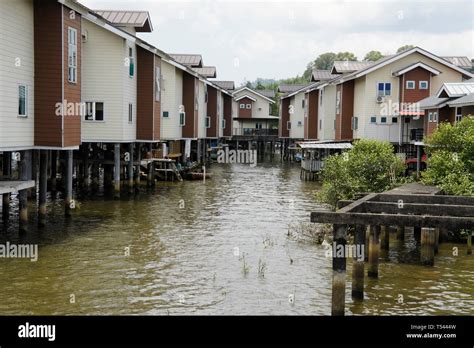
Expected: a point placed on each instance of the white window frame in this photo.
(223, 123)
(435, 116)
(26, 100)
(408, 82)
(131, 62)
(182, 124)
(157, 84)
(248, 106)
(355, 123)
(420, 84)
(72, 54)
(430, 117)
(384, 91)
(208, 121)
(94, 111)
(373, 122)
(130, 113)
(457, 115)
(242, 106)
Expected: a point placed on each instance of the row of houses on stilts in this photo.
(83, 97)
(399, 99)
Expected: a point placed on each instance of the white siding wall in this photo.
(103, 74)
(202, 107)
(130, 95)
(327, 112)
(297, 116)
(220, 113)
(260, 108)
(171, 99)
(16, 67)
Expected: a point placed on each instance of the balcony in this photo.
(253, 132)
(416, 134)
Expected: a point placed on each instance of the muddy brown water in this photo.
(197, 249)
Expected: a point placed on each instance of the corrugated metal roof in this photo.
(287, 88)
(347, 66)
(206, 71)
(322, 145)
(140, 20)
(460, 61)
(458, 89)
(466, 100)
(194, 60)
(228, 85)
(322, 75)
(431, 102)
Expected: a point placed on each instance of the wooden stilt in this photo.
(417, 234)
(43, 187)
(137, 170)
(7, 158)
(95, 169)
(436, 240)
(358, 263)
(339, 271)
(130, 168)
(68, 204)
(54, 172)
(469, 242)
(117, 170)
(25, 172)
(367, 238)
(374, 250)
(427, 246)
(401, 232)
(384, 238)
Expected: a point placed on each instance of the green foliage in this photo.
(451, 158)
(373, 56)
(345, 56)
(325, 61)
(370, 166)
(404, 48)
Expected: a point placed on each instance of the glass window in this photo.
(410, 84)
(384, 89)
(166, 114)
(208, 122)
(373, 119)
(288, 125)
(22, 101)
(72, 55)
(182, 118)
(430, 117)
(130, 113)
(249, 106)
(157, 83)
(435, 117)
(131, 62)
(423, 84)
(383, 119)
(394, 119)
(242, 106)
(94, 111)
(355, 123)
(223, 123)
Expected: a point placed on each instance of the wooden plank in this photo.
(416, 209)
(423, 198)
(15, 186)
(357, 203)
(323, 216)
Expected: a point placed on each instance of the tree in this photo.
(373, 56)
(450, 164)
(345, 56)
(404, 48)
(370, 166)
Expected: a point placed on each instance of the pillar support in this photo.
(339, 271)
(374, 250)
(43, 187)
(130, 168)
(117, 170)
(358, 263)
(25, 174)
(427, 250)
(68, 203)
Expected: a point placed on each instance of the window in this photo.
(338, 101)
(288, 125)
(321, 97)
(407, 119)
(394, 119)
(157, 83)
(373, 119)
(223, 123)
(94, 111)
(457, 118)
(410, 85)
(208, 122)
(72, 54)
(182, 119)
(300, 123)
(130, 113)
(22, 101)
(166, 114)
(249, 106)
(423, 84)
(355, 123)
(258, 126)
(435, 117)
(303, 103)
(430, 117)
(320, 124)
(384, 89)
(131, 62)
(205, 96)
(242, 106)
(383, 119)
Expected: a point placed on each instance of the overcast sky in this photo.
(247, 39)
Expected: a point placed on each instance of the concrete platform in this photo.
(15, 186)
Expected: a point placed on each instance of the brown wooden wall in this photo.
(189, 100)
(72, 91)
(145, 94)
(228, 115)
(212, 112)
(346, 111)
(285, 117)
(48, 72)
(417, 94)
(245, 113)
(311, 129)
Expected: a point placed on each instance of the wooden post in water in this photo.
(7, 158)
(427, 246)
(137, 171)
(25, 171)
(469, 242)
(367, 239)
(436, 240)
(358, 263)
(374, 250)
(384, 238)
(338, 270)
(417, 234)
(68, 204)
(117, 170)
(95, 171)
(54, 170)
(43, 187)
(401, 232)
(130, 168)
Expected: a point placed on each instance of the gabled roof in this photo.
(460, 61)
(456, 89)
(432, 102)
(245, 96)
(322, 75)
(254, 92)
(192, 60)
(387, 60)
(270, 93)
(228, 85)
(348, 66)
(140, 20)
(206, 71)
(414, 66)
(287, 88)
(463, 101)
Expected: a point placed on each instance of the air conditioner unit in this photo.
(380, 99)
(84, 35)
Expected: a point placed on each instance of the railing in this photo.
(255, 132)
(312, 165)
(416, 134)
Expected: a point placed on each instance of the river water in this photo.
(197, 248)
